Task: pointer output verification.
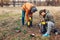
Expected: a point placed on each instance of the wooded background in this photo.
(36, 2)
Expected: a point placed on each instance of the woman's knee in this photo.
(50, 24)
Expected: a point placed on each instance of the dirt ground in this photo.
(10, 18)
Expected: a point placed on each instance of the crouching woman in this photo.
(48, 18)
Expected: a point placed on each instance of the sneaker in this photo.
(46, 35)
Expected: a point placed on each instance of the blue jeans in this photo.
(50, 26)
(23, 16)
(47, 29)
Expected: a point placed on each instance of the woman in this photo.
(48, 18)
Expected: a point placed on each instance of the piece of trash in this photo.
(18, 31)
(32, 35)
(56, 33)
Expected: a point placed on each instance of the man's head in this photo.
(42, 12)
(33, 9)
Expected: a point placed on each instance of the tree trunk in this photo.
(13, 3)
(1, 3)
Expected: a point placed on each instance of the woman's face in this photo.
(43, 13)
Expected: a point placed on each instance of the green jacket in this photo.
(49, 17)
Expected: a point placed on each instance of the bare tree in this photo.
(14, 3)
(1, 3)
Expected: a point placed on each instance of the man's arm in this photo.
(27, 17)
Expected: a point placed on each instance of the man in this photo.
(28, 9)
(48, 18)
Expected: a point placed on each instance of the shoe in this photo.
(46, 35)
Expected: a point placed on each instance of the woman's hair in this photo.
(44, 10)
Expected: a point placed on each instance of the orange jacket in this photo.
(27, 7)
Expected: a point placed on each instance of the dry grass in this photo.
(10, 19)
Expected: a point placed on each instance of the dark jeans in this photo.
(43, 29)
(23, 16)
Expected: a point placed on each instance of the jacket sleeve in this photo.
(27, 17)
(50, 18)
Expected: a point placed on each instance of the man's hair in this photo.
(44, 10)
(33, 9)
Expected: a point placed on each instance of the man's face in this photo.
(43, 13)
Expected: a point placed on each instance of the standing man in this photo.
(28, 9)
